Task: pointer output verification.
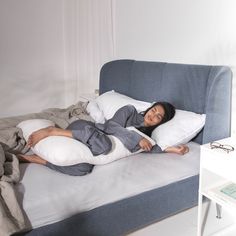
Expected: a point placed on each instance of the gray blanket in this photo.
(11, 143)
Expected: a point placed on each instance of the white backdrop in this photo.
(52, 50)
(31, 56)
(183, 31)
(89, 44)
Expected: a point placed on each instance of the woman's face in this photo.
(154, 116)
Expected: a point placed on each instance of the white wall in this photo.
(183, 31)
(51, 51)
(93, 45)
(31, 56)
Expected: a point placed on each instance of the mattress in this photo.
(48, 197)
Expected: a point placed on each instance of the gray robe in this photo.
(94, 135)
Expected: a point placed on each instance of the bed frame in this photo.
(197, 88)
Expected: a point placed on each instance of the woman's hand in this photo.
(145, 145)
(180, 149)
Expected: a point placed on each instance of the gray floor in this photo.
(185, 224)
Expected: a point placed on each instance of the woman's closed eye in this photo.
(158, 115)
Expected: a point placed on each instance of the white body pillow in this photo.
(181, 129)
(30, 126)
(64, 151)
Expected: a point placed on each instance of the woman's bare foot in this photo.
(38, 135)
(31, 159)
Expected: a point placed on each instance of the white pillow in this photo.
(181, 129)
(111, 101)
(64, 151)
(95, 112)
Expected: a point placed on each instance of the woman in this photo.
(95, 135)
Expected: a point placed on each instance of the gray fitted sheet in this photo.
(48, 196)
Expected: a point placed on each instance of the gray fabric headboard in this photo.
(197, 88)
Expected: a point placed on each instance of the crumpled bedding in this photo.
(11, 143)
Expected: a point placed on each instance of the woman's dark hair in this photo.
(169, 114)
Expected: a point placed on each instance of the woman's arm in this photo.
(36, 136)
(116, 126)
(180, 149)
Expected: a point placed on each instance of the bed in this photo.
(128, 194)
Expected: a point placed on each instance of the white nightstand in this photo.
(217, 169)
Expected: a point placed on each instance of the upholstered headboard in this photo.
(198, 88)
